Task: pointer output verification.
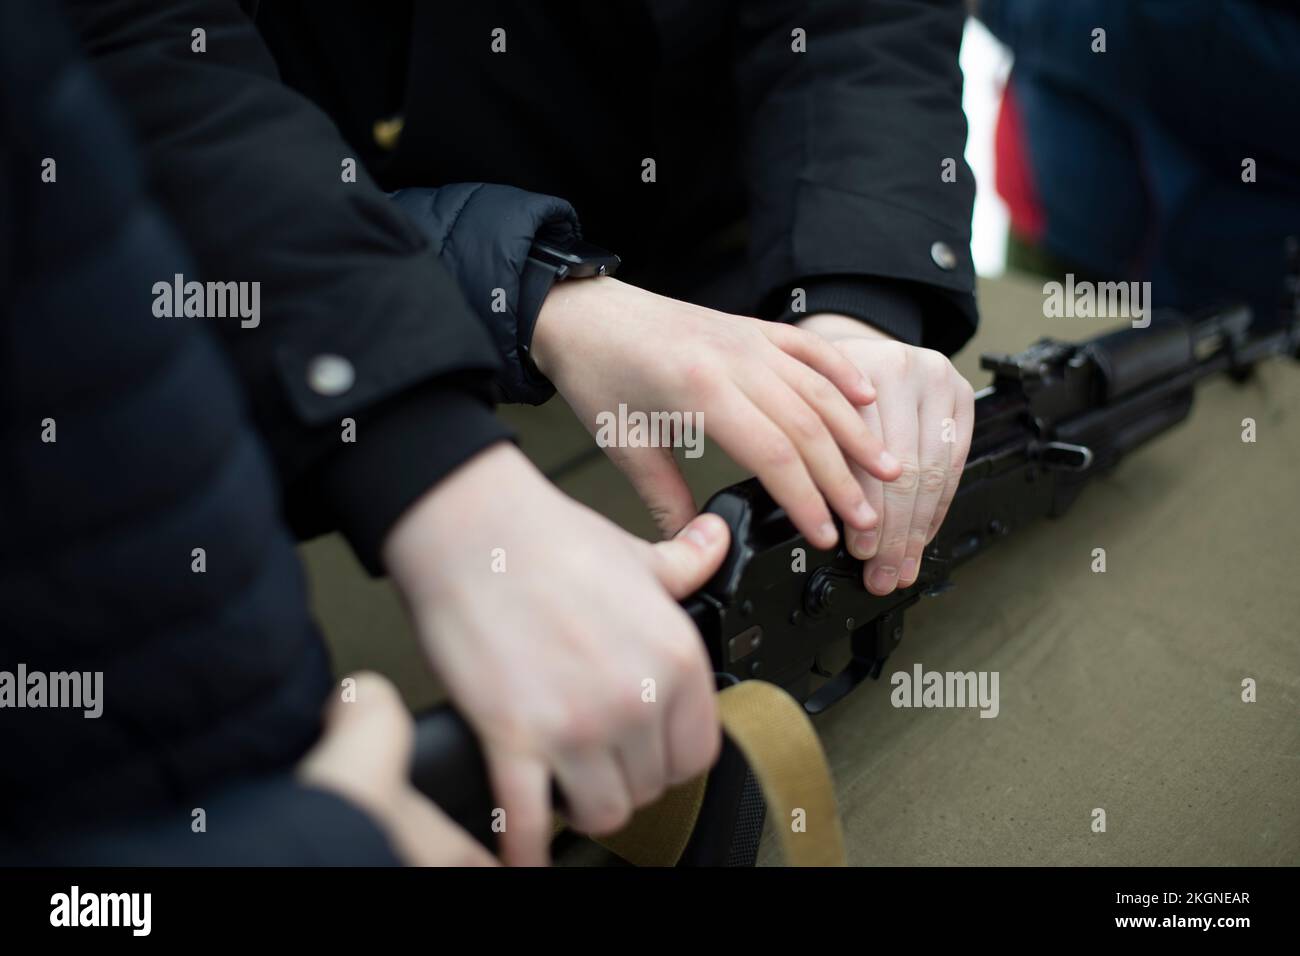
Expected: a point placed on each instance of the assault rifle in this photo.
(1056, 416)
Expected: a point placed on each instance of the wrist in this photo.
(366, 487)
(833, 326)
(431, 534)
(569, 307)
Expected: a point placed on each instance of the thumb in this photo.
(683, 564)
(366, 744)
(658, 481)
(371, 724)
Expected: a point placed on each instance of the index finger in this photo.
(819, 354)
(522, 784)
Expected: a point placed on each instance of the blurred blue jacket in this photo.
(1137, 154)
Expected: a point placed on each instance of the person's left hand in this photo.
(780, 401)
(925, 412)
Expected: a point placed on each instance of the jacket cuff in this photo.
(408, 446)
(355, 838)
(930, 316)
(483, 233)
(305, 814)
(887, 306)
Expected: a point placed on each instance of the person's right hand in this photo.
(558, 638)
(364, 757)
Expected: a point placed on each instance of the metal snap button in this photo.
(330, 375)
(943, 256)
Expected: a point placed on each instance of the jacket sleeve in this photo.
(263, 190)
(277, 822)
(846, 147)
(482, 233)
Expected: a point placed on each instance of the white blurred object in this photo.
(985, 63)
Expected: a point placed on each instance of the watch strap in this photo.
(534, 285)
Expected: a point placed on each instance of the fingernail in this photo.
(888, 461)
(862, 545)
(702, 531)
(883, 578)
(863, 514)
(827, 533)
(908, 574)
(865, 386)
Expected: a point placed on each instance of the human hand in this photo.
(570, 658)
(925, 412)
(365, 756)
(778, 400)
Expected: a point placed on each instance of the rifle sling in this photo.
(782, 749)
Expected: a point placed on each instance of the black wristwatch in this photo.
(551, 261)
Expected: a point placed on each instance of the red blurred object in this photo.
(1013, 173)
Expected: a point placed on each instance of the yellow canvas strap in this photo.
(781, 747)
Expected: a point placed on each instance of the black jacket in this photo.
(482, 233)
(820, 170)
(213, 681)
(253, 177)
